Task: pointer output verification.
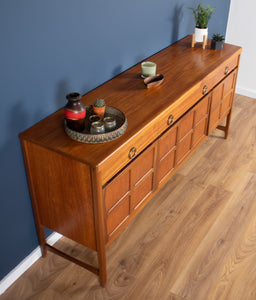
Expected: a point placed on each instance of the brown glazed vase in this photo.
(75, 112)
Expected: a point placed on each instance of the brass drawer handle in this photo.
(170, 120)
(132, 152)
(226, 70)
(205, 90)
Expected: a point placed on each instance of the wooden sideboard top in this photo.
(183, 68)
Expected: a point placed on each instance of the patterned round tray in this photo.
(86, 137)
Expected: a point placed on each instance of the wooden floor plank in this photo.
(197, 278)
(237, 278)
(177, 249)
(196, 239)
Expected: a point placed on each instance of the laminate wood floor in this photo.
(195, 240)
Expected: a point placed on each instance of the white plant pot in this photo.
(199, 34)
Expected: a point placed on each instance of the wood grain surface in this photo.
(195, 240)
(187, 70)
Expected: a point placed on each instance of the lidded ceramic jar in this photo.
(75, 112)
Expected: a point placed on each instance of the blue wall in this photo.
(52, 47)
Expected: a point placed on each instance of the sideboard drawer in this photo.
(128, 153)
(210, 81)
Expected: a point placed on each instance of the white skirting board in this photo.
(246, 92)
(26, 263)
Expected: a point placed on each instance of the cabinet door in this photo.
(117, 200)
(221, 103)
(192, 129)
(129, 190)
(141, 173)
(178, 142)
(201, 121)
(227, 95)
(184, 141)
(166, 154)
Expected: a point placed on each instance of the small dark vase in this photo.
(217, 45)
(75, 112)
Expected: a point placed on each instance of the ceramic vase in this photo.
(75, 112)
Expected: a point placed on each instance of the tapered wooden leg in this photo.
(205, 41)
(41, 239)
(39, 227)
(227, 125)
(102, 267)
(99, 226)
(193, 41)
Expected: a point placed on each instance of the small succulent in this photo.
(218, 37)
(99, 103)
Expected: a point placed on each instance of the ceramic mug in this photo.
(148, 68)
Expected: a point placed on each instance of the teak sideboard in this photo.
(90, 192)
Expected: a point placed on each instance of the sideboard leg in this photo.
(227, 125)
(102, 268)
(39, 227)
(99, 225)
(228, 119)
(41, 239)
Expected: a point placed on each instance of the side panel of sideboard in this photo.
(61, 193)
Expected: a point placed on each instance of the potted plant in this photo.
(201, 15)
(217, 41)
(99, 107)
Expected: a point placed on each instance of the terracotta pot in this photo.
(100, 111)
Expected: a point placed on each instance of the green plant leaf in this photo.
(202, 15)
